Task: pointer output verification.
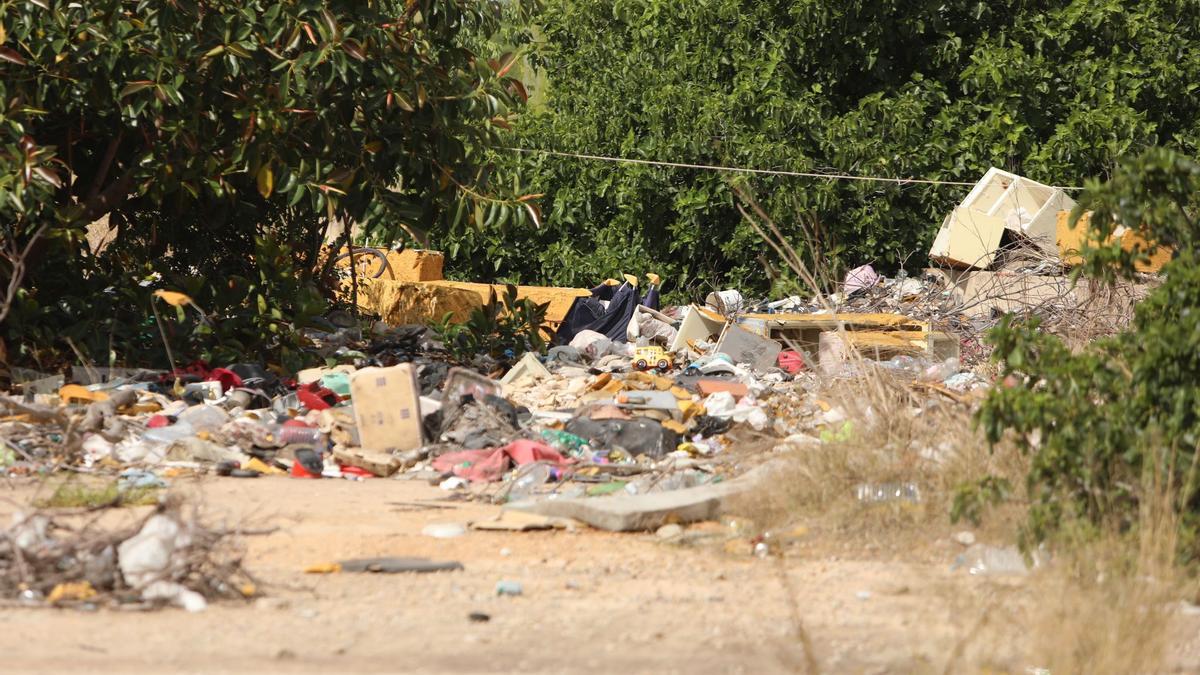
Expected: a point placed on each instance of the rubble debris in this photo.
(580, 434)
(170, 557)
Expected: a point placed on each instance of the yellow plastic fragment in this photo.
(173, 298)
(71, 592)
(256, 464)
(77, 393)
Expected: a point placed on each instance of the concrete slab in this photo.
(633, 513)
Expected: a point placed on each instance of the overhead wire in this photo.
(738, 169)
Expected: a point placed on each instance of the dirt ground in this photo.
(591, 602)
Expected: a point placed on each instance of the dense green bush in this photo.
(1053, 90)
(1105, 423)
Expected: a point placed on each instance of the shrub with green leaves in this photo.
(196, 128)
(504, 327)
(1100, 422)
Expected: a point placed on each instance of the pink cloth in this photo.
(860, 278)
(492, 463)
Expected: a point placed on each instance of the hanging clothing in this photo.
(651, 298)
(591, 313)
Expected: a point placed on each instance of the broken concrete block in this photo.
(387, 407)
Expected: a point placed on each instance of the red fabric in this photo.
(791, 362)
(227, 378)
(492, 463)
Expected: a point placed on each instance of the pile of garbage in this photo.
(630, 400)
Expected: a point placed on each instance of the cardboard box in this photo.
(387, 407)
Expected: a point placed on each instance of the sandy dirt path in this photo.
(591, 602)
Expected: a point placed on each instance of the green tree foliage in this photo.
(1052, 90)
(197, 128)
(1098, 423)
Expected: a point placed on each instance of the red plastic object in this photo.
(158, 421)
(315, 397)
(791, 362)
(227, 378)
(356, 471)
(298, 471)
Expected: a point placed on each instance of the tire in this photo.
(369, 255)
(641, 364)
(662, 365)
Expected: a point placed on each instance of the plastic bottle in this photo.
(281, 435)
(527, 482)
(941, 371)
(887, 492)
(169, 434)
(204, 417)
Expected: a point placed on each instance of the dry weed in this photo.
(1105, 604)
(892, 435)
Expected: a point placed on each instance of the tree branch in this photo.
(105, 165)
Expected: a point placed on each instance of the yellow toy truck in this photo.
(652, 358)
